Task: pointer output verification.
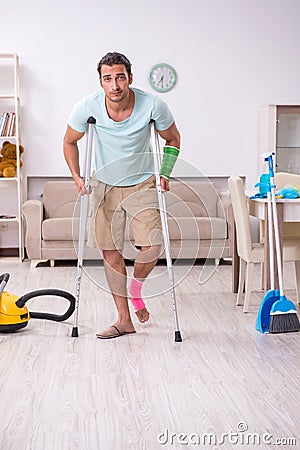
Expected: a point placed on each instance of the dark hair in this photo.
(114, 58)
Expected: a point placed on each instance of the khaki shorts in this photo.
(139, 204)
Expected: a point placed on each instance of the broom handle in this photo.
(271, 242)
(276, 228)
(270, 230)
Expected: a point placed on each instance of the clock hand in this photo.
(161, 81)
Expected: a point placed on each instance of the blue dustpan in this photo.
(263, 317)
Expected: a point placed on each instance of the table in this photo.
(288, 210)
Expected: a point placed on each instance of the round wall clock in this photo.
(162, 77)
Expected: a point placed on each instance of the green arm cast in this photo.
(169, 160)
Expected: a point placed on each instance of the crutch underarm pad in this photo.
(169, 160)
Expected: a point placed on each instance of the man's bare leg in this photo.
(144, 264)
(116, 276)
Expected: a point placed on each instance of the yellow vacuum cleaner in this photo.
(14, 314)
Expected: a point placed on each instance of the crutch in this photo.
(84, 203)
(164, 223)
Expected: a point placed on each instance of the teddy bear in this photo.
(8, 159)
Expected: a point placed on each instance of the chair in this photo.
(282, 179)
(251, 253)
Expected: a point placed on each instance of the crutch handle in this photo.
(88, 156)
(91, 120)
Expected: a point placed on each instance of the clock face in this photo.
(162, 77)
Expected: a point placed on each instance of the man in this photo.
(124, 167)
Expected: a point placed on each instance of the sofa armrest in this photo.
(33, 214)
(225, 211)
(223, 205)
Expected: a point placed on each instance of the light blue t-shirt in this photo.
(123, 155)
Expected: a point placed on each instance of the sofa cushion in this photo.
(59, 199)
(196, 198)
(62, 229)
(187, 228)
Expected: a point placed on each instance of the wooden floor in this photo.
(145, 391)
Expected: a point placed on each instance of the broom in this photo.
(272, 295)
(283, 314)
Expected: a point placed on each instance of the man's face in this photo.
(115, 82)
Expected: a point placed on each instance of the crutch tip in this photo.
(178, 337)
(75, 332)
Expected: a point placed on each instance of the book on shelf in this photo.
(4, 118)
(7, 124)
(7, 217)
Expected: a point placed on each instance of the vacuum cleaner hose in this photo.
(53, 292)
(3, 281)
(4, 277)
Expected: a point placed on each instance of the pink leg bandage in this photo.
(135, 289)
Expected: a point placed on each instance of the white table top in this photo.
(291, 208)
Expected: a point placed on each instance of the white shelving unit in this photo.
(280, 133)
(11, 189)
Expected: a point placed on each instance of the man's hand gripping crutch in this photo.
(163, 169)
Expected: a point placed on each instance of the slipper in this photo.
(112, 332)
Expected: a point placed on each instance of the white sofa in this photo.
(200, 223)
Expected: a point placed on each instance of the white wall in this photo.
(231, 56)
